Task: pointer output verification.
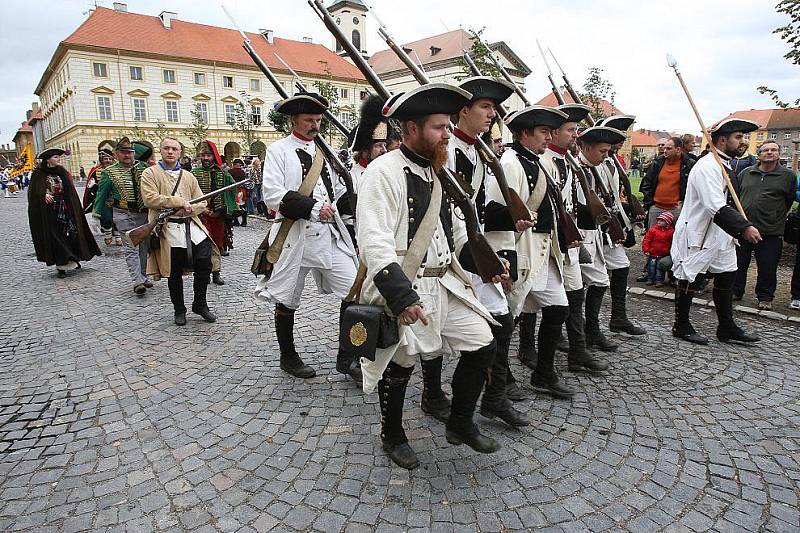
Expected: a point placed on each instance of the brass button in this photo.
(385, 272)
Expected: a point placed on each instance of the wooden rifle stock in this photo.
(615, 229)
(569, 229)
(137, 235)
(487, 261)
(597, 209)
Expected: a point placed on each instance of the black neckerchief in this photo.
(414, 157)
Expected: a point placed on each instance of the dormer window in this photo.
(435, 50)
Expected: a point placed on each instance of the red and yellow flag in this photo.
(24, 164)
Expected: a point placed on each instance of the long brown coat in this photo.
(156, 188)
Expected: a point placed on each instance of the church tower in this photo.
(351, 17)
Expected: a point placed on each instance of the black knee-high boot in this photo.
(345, 363)
(727, 330)
(434, 401)
(284, 330)
(682, 328)
(175, 284)
(545, 378)
(594, 337)
(392, 394)
(495, 402)
(468, 380)
(200, 303)
(527, 339)
(578, 358)
(619, 316)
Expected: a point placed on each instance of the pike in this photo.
(137, 235)
(519, 211)
(339, 167)
(713, 149)
(566, 222)
(486, 260)
(636, 206)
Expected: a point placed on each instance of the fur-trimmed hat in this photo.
(372, 125)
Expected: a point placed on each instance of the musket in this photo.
(486, 260)
(569, 229)
(517, 208)
(330, 155)
(499, 66)
(637, 209)
(137, 235)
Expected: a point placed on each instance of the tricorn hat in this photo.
(601, 134)
(495, 90)
(303, 102)
(372, 125)
(430, 99)
(732, 125)
(124, 145)
(618, 122)
(575, 112)
(50, 152)
(535, 115)
(142, 151)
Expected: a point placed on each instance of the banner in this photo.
(24, 164)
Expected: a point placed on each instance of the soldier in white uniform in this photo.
(537, 253)
(704, 244)
(318, 243)
(616, 259)
(555, 161)
(368, 138)
(436, 304)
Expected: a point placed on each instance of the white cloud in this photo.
(725, 49)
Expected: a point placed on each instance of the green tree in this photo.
(160, 132)
(481, 56)
(197, 130)
(243, 123)
(327, 90)
(279, 121)
(596, 89)
(790, 33)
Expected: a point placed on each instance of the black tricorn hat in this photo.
(602, 134)
(124, 145)
(732, 125)
(430, 99)
(50, 152)
(535, 115)
(303, 102)
(575, 112)
(495, 90)
(618, 122)
(372, 125)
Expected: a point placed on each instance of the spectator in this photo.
(656, 245)
(767, 191)
(743, 159)
(689, 143)
(661, 146)
(796, 273)
(664, 186)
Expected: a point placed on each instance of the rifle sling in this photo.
(306, 188)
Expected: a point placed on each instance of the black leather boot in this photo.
(346, 364)
(495, 403)
(727, 330)
(392, 394)
(578, 357)
(284, 330)
(545, 377)
(619, 317)
(527, 339)
(175, 285)
(468, 379)
(434, 400)
(200, 303)
(594, 337)
(682, 328)
(216, 277)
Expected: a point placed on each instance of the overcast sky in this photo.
(725, 49)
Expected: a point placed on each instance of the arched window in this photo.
(356, 40)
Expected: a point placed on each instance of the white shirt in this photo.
(175, 232)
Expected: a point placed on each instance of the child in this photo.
(656, 244)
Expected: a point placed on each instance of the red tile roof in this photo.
(643, 138)
(107, 28)
(783, 119)
(609, 109)
(451, 45)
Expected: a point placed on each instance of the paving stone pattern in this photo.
(114, 419)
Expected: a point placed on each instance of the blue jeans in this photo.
(654, 274)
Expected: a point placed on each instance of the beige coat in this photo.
(156, 186)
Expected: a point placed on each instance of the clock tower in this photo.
(351, 17)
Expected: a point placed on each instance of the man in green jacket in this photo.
(767, 191)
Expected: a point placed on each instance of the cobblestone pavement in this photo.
(114, 419)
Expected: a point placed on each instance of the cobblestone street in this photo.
(114, 419)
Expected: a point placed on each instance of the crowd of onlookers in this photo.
(767, 189)
(13, 185)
